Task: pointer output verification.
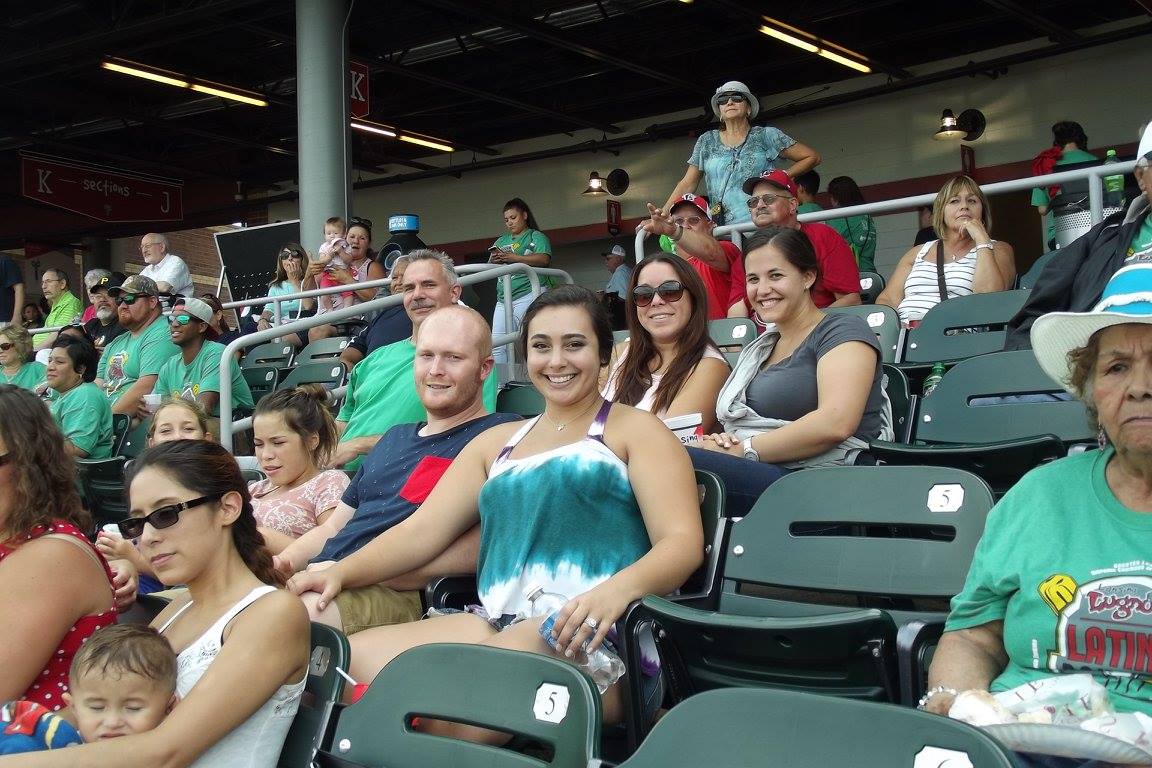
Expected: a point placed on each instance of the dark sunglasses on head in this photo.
(357, 221)
(128, 298)
(669, 291)
(6, 345)
(736, 98)
(288, 253)
(767, 199)
(163, 517)
(181, 319)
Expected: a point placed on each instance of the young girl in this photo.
(178, 420)
(295, 436)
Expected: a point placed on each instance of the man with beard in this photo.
(381, 393)
(104, 325)
(131, 361)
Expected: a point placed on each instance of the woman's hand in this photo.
(313, 271)
(262, 324)
(600, 606)
(326, 583)
(723, 442)
(292, 270)
(974, 228)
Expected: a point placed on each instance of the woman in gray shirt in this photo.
(806, 393)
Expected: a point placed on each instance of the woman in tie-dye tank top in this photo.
(592, 500)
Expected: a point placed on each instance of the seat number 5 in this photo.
(551, 703)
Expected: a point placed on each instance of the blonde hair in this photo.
(19, 338)
(191, 406)
(955, 186)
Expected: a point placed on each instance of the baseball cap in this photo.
(138, 284)
(199, 310)
(616, 250)
(95, 277)
(1145, 149)
(698, 201)
(775, 177)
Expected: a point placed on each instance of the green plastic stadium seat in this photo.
(732, 331)
(321, 693)
(883, 321)
(871, 286)
(935, 340)
(277, 355)
(261, 380)
(330, 373)
(102, 488)
(526, 401)
(323, 349)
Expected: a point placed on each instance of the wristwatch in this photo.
(749, 451)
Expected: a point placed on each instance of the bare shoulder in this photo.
(274, 614)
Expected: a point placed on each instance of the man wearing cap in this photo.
(773, 202)
(616, 262)
(102, 327)
(131, 361)
(1075, 277)
(688, 227)
(167, 269)
(194, 374)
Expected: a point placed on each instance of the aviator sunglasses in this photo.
(162, 517)
(669, 291)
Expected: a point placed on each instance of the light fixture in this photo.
(969, 126)
(616, 184)
(156, 75)
(812, 44)
(426, 142)
(372, 128)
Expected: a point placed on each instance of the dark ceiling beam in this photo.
(82, 151)
(1057, 32)
(493, 14)
(1146, 5)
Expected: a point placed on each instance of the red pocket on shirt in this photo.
(424, 478)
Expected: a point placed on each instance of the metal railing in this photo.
(473, 273)
(1094, 175)
(275, 300)
(47, 329)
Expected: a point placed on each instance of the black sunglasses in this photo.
(767, 199)
(357, 221)
(288, 253)
(128, 298)
(737, 98)
(6, 345)
(164, 517)
(669, 291)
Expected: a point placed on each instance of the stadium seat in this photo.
(871, 285)
(121, 422)
(1029, 278)
(330, 373)
(323, 349)
(277, 355)
(102, 487)
(883, 321)
(902, 400)
(732, 332)
(321, 693)
(252, 475)
(1001, 440)
(942, 337)
(526, 401)
(540, 700)
(136, 440)
(818, 578)
(261, 380)
(736, 728)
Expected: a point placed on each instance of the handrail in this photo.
(46, 329)
(274, 300)
(1093, 174)
(259, 337)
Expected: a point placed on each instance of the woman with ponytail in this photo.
(242, 642)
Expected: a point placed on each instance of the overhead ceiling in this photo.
(477, 73)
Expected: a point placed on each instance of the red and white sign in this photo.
(358, 89)
(106, 194)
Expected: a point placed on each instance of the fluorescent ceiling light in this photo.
(789, 39)
(157, 77)
(812, 44)
(844, 60)
(426, 143)
(369, 128)
(228, 95)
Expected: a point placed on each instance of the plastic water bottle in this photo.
(1113, 185)
(933, 379)
(602, 665)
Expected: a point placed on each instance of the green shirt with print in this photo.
(527, 242)
(178, 379)
(85, 418)
(131, 356)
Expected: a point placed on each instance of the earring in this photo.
(1102, 439)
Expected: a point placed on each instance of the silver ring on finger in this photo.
(592, 623)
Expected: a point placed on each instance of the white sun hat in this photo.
(1127, 299)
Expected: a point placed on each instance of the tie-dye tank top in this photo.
(565, 519)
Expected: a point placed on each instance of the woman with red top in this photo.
(55, 588)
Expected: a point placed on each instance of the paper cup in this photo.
(111, 529)
(687, 427)
(152, 402)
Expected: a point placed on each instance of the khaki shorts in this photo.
(377, 606)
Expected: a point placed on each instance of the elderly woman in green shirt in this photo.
(15, 347)
(78, 405)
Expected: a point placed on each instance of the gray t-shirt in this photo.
(787, 390)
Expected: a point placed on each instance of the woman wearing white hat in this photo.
(737, 151)
(1062, 579)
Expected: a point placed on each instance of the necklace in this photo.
(560, 426)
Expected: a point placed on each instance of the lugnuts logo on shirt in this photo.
(1104, 624)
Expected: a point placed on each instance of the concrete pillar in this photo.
(321, 115)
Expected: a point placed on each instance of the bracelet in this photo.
(675, 237)
(989, 246)
(927, 697)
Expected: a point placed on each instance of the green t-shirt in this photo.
(1040, 196)
(130, 356)
(29, 375)
(382, 393)
(528, 241)
(85, 418)
(860, 233)
(1068, 569)
(808, 208)
(177, 380)
(1140, 249)
(66, 309)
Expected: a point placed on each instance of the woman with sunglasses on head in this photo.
(807, 392)
(668, 365)
(55, 589)
(242, 644)
(361, 267)
(15, 365)
(736, 151)
(291, 263)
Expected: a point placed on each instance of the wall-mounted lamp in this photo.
(616, 184)
(969, 126)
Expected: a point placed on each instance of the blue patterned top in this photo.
(726, 168)
(565, 519)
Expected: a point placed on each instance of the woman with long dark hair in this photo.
(524, 243)
(668, 365)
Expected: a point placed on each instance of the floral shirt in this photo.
(294, 511)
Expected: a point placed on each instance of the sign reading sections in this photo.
(106, 194)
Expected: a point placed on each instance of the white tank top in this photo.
(255, 743)
(922, 288)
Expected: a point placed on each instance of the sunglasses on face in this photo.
(181, 319)
(767, 199)
(129, 298)
(287, 254)
(735, 98)
(164, 517)
(669, 291)
(689, 220)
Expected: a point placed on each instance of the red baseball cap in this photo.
(776, 178)
(699, 201)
